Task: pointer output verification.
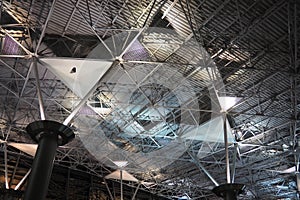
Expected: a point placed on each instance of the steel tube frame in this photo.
(5, 166)
(39, 93)
(109, 192)
(22, 180)
(121, 186)
(226, 149)
(202, 168)
(45, 27)
(136, 190)
(234, 162)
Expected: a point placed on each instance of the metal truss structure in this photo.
(159, 102)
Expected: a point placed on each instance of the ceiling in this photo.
(150, 82)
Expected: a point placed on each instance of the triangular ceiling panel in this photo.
(27, 148)
(227, 102)
(210, 131)
(80, 75)
(125, 176)
(120, 163)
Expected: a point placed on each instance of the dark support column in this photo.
(68, 184)
(49, 135)
(42, 167)
(229, 191)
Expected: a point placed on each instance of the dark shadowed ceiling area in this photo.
(154, 84)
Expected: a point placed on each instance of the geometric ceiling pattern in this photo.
(156, 85)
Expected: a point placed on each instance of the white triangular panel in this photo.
(149, 184)
(125, 176)
(120, 163)
(211, 131)
(27, 148)
(289, 170)
(228, 102)
(80, 75)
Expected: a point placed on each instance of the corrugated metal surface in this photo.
(252, 43)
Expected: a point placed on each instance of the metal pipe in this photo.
(207, 173)
(226, 149)
(136, 190)
(13, 56)
(109, 192)
(70, 18)
(1, 9)
(144, 11)
(202, 168)
(22, 180)
(14, 172)
(119, 12)
(132, 41)
(94, 31)
(5, 165)
(42, 167)
(29, 53)
(39, 93)
(234, 162)
(169, 9)
(15, 71)
(121, 177)
(44, 27)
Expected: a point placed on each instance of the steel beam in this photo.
(22, 180)
(202, 168)
(70, 17)
(44, 28)
(39, 92)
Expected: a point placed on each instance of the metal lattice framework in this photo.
(160, 85)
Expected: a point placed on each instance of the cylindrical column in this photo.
(49, 135)
(229, 191)
(42, 167)
(230, 195)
